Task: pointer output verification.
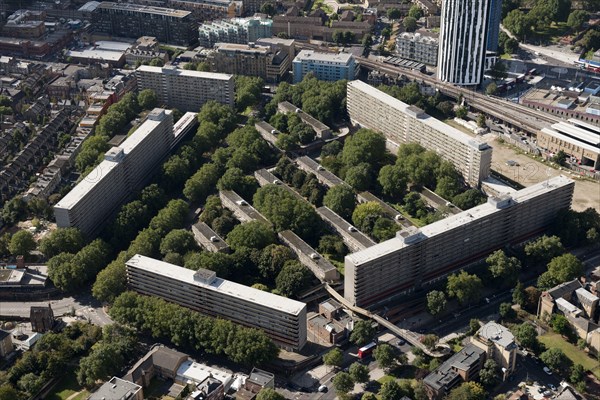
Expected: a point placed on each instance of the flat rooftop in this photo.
(344, 226)
(197, 372)
(205, 230)
(97, 54)
(243, 206)
(116, 388)
(322, 57)
(319, 170)
(498, 334)
(242, 48)
(456, 220)
(424, 118)
(323, 264)
(182, 72)
(170, 12)
(228, 288)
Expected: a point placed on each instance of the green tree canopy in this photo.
(393, 181)
(362, 333)
(178, 241)
(343, 383)
(147, 99)
(467, 391)
(409, 23)
(67, 240)
(544, 249)
(390, 390)
(436, 302)
(272, 259)
(465, 287)
(334, 358)
(365, 215)
(268, 393)
(384, 355)
(503, 267)
(555, 359)
(293, 278)
(359, 372)
(255, 234)
(21, 243)
(341, 200)
(526, 335)
(561, 269)
(364, 146)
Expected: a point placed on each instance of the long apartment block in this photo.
(186, 90)
(400, 123)
(124, 170)
(282, 319)
(419, 257)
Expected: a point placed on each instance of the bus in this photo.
(366, 350)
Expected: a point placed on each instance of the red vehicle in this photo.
(366, 351)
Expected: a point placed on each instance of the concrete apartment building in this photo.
(207, 10)
(117, 388)
(325, 66)
(322, 130)
(209, 239)
(132, 20)
(401, 123)
(235, 30)
(186, 90)
(251, 60)
(577, 139)
(282, 319)
(310, 166)
(419, 47)
(499, 344)
(242, 210)
(124, 170)
(320, 266)
(353, 238)
(463, 366)
(419, 257)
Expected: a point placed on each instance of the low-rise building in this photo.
(575, 138)
(41, 318)
(499, 344)
(117, 388)
(325, 66)
(321, 267)
(463, 366)
(353, 238)
(331, 325)
(282, 319)
(6, 345)
(235, 30)
(145, 49)
(310, 166)
(420, 47)
(264, 178)
(322, 130)
(242, 210)
(209, 239)
(160, 361)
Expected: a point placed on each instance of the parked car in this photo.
(552, 387)
(323, 389)
(547, 370)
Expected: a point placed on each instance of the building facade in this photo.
(417, 47)
(414, 259)
(577, 139)
(124, 170)
(186, 90)
(250, 60)
(282, 319)
(494, 19)
(131, 20)
(499, 344)
(463, 41)
(325, 66)
(235, 30)
(401, 123)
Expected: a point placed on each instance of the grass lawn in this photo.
(386, 378)
(66, 387)
(573, 352)
(506, 56)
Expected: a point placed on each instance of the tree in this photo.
(384, 229)
(462, 112)
(359, 176)
(555, 359)
(506, 311)
(414, 205)
(268, 393)
(503, 267)
(465, 287)
(532, 297)
(410, 24)
(272, 259)
(147, 99)
(511, 46)
(394, 13)
(67, 240)
(436, 302)
(491, 88)
(561, 325)
(481, 120)
(343, 383)
(488, 376)
(269, 9)
(526, 335)
(21, 243)
(362, 333)
(544, 249)
(467, 391)
(332, 245)
(7, 392)
(430, 340)
(384, 355)
(334, 358)
(577, 374)
(255, 234)
(518, 296)
(517, 23)
(359, 372)
(390, 390)
(560, 158)
(178, 241)
(469, 199)
(577, 18)
(293, 278)
(364, 146)
(341, 199)
(561, 269)
(368, 396)
(415, 11)
(366, 214)
(393, 181)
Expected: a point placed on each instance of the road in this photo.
(83, 305)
